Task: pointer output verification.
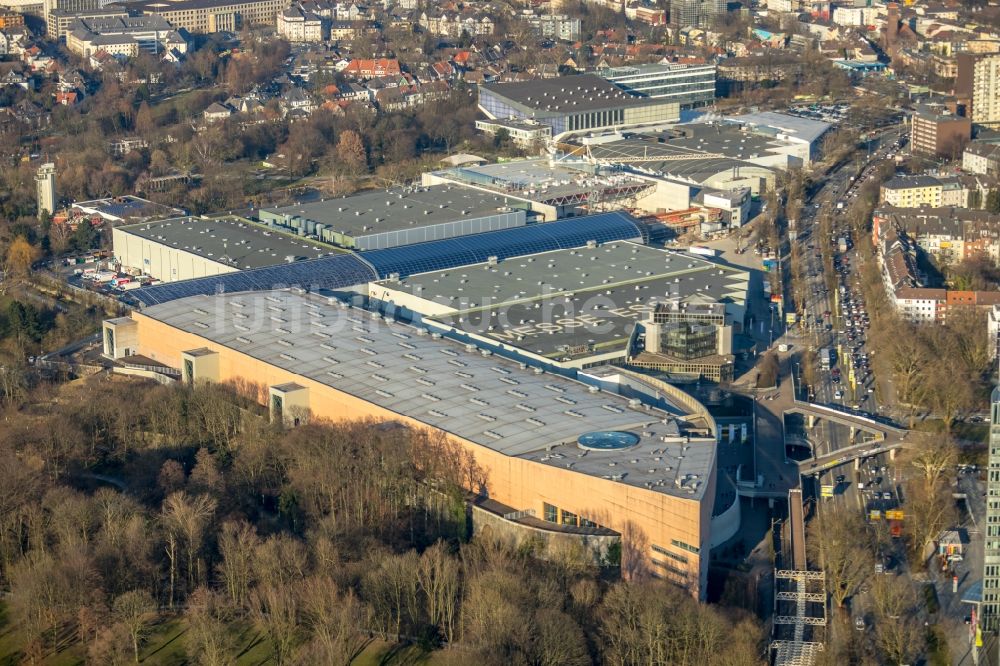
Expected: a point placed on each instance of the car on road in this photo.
(887, 495)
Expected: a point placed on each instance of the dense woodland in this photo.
(125, 505)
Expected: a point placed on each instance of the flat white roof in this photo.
(485, 399)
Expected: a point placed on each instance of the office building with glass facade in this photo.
(690, 86)
(574, 105)
(687, 338)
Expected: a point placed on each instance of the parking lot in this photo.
(828, 113)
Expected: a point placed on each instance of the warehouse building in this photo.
(707, 139)
(123, 210)
(782, 126)
(578, 459)
(383, 219)
(347, 271)
(574, 105)
(194, 247)
(553, 189)
(567, 309)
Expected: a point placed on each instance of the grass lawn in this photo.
(382, 653)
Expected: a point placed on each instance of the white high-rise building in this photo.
(993, 326)
(45, 184)
(990, 609)
(986, 90)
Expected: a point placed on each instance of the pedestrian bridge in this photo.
(887, 437)
(853, 420)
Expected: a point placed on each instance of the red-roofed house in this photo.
(367, 67)
(67, 98)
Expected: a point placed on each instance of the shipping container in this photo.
(703, 251)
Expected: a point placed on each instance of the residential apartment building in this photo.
(950, 235)
(10, 19)
(298, 25)
(912, 191)
(554, 26)
(207, 16)
(690, 86)
(982, 158)
(904, 283)
(939, 134)
(695, 13)
(855, 16)
(993, 329)
(986, 90)
(784, 6)
(450, 24)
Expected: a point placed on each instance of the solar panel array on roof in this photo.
(505, 243)
(336, 272)
(344, 271)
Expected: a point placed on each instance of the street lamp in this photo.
(771, 331)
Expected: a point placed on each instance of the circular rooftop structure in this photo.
(607, 440)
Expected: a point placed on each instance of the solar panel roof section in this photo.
(347, 270)
(564, 234)
(337, 272)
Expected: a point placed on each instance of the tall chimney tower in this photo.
(891, 27)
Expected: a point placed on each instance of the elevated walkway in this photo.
(799, 594)
(849, 419)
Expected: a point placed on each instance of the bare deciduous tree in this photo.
(438, 576)
(275, 611)
(134, 610)
(237, 545)
(209, 641)
(184, 519)
(335, 621)
(898, 634)
(834, 544)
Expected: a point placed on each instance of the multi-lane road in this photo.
(836, 319)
